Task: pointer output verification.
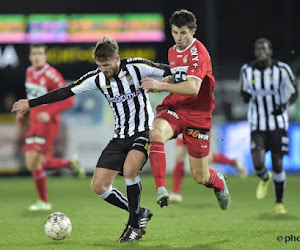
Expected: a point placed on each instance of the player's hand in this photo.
(279, 109)
(43, 117)
(151, 85)
(168, 79)
(21, 106)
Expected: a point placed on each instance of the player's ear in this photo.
(193, 31)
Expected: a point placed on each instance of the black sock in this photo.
(279, 183)
(134, 190)
(262, 174)
(115, 197)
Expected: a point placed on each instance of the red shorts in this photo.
(41, 136)
(195, 137)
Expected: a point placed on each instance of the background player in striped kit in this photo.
(269, 88)
(178, 171)
(120, 82)
(187, 110)
(44, 124)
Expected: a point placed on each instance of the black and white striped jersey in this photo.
(129, 102)
(270, 88)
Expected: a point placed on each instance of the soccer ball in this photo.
(57, 226)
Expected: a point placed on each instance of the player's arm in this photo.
(245, 93)
(147, 67)
(24, 105)
(83, 84)
(189, 87)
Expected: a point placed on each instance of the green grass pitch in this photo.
(197, 223)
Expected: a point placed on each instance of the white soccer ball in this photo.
(57, 226)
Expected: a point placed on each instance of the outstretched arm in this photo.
(24, 105)
(189, 87)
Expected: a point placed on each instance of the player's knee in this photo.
(156, 134)
(98, 188)
(130, 173)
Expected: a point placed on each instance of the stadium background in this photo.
(227, 28)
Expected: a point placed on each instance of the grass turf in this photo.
(197, 223)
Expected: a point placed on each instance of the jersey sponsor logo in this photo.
(173, 113)
(201, 134)
(179, 73)
(34, 90)
(124, 97)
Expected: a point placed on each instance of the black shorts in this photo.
(115, 153)
(276, 141)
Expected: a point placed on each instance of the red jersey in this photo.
(193, 61)
(42, 81)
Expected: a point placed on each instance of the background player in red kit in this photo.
(187, 110)
(44, 124)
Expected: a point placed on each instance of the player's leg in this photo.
(133, 163)
(178, 172)
(279, 147)
(110, 163)
(236, 163)
(135, 160)
(198, 143)
(208, 177)
(102, 186)
(258, 144)
(54, 163)
(279, 183)
(33, 161)
(160, 133)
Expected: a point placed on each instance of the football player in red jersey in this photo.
(44, 124)
(187, 110)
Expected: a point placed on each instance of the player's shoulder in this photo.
(52, 72)
(282, 64)
(88, 75)
(246, 65)
(136, 60)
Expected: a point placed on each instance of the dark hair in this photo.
(105, 49)
(263, 40)
(182, 18)
(38, 45)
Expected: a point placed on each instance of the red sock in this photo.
(178, 175)
(51, 163)
(39, 179)
(158, 163)
(220, 158)
(214, 181)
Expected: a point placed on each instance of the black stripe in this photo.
(273, 96)
(136, 102)
(116, 191)
(256, 102)
(146, 125)
(125, 105)
(117, 126)
(262, 78)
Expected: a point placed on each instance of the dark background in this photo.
(228, 28)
